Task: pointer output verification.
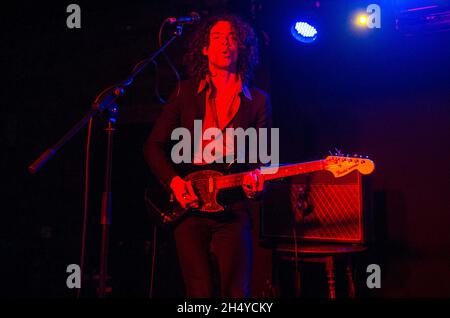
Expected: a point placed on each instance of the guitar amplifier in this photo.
(316, 207)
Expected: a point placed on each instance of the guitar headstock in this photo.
(340, 166)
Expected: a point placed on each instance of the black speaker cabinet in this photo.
(317, 207)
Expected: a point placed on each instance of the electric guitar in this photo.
(208, 183)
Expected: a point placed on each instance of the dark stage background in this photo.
(378, 93)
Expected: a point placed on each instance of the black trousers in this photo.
(215, 254)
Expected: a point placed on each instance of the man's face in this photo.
(222, 52)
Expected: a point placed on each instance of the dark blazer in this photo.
(182, 111)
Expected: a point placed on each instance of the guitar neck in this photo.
(236, 180)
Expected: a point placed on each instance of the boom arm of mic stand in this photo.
(105, 102)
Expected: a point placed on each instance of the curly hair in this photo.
(197, 63)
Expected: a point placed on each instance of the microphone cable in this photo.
(177, 75)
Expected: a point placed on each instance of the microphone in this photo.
(193, 17)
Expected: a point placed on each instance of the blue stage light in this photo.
(304, 32)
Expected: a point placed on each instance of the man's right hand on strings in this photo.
(184, 193)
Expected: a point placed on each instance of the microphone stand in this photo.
(106, 100)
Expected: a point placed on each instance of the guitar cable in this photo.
(155, 230)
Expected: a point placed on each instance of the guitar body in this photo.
(164, 208)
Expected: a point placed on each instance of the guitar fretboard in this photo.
(236, 180)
